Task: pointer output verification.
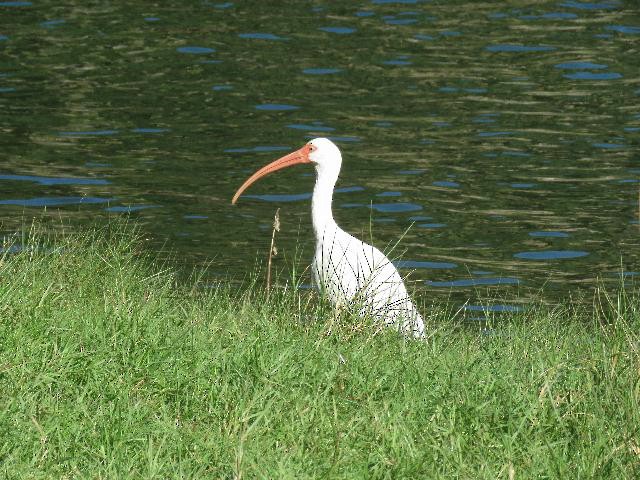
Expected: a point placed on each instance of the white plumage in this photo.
(346, 270)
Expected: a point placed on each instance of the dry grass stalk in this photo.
(273, 251)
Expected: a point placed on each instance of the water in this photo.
(501, 141)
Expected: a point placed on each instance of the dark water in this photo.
(506, 135)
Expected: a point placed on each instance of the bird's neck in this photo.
(321, 214)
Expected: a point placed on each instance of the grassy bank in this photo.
(110, 369)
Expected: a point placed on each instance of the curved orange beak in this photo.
(299, 156)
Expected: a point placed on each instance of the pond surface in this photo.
(501, 141)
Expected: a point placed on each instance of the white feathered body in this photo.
(352, 273)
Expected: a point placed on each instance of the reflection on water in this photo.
(499, 141)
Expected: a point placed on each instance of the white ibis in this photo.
(348, 271)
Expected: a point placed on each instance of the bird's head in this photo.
(322, 152)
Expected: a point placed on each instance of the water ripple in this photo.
(261, 36)
(591, 6)
(550, 234)
(55, 201)
(276, 107)
(321, 71)
(87, 133)
(338, 30)
(593, 76)
(506, 47)
(56, 180)
(310, 127)
(493, 308)
(421, 264)
(580, 66)
(473, 282)
(632, 30)
(195, 50)
(551, 254)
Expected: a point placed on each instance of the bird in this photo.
(347, 271)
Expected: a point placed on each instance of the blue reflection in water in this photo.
(7, 89)
(97, 165)
(423, 36)
(223, 6)
(55, 201)
(310, 127)
(419, 264)
(195, 217)
(354, 188)
(580, 66)
(195, 50)
(261, 36)
(338, 30)
(56, 180)
(276, 107)
(550, 16)
(549, 234)
(551, 254)
(150, 130)
(88, 133)
(633, 30)
(321, 71)
(559, 16)
(495, 134)
(221, 88)
(397, 62)
(593, 76)
(15, 4)
(481, 119)
(446, 184)
(52, 23)
(519, 48)
(365, 14)
(396, 207)
(472, 282)
(342, 139)
(392, 20)
(432, 225)
(388, 194)
(609, 145)
(591, 6)
(515, 153)
(151, 19)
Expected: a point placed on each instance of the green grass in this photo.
(111, 368)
